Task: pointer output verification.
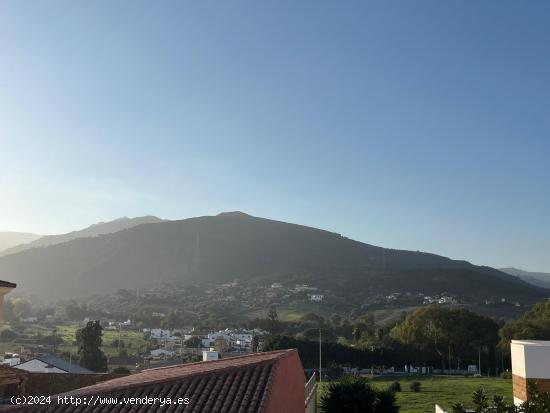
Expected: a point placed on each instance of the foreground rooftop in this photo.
(260, 382)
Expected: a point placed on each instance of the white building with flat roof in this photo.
(530, 362)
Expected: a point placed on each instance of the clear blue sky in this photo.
(408, 124)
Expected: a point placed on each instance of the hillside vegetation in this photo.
(219, 249)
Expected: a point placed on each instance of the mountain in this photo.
(541, 279)
(94, 230)
(11, 239)
(219, 249)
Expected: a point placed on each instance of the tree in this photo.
(89, 340)
(117, 343)
(533, 325)
(312, 334)
(353, 394)
(314, 319)
(172, 320)
(273, 320)
(336, 320)
(363, 327)
(193, 342)
(255, 344)
(435, 333)
(357, 332)
(53, 340)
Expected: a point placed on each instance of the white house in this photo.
(11, 359)
(160, 333)
(317, 297)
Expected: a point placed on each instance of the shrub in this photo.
(354, 394)
(538, 402)
(415, 386)
(506, 375)
(395, 386)
(120, 370)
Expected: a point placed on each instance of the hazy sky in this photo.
(408, 124)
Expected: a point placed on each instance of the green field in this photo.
(445, 391)
(132, 339)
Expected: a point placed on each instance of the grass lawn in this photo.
(444, 391)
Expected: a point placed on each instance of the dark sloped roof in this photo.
(234, 384)
(7, 284)
(60, 364)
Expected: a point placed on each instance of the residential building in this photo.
(47, 363)
(159, 333)
(160, 352)
(317, 297)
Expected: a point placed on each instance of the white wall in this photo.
(531, 359)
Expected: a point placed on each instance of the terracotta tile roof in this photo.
(7, 284)
(233, 385)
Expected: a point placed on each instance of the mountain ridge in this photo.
(540, 279)
(93, 230)
(219, 249)
(10, 239)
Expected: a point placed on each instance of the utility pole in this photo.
(320, 359)
(479, 359)
(119, 328)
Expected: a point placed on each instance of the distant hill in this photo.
(541, 279)
(11, 239)
(218, 249)
(94, 230)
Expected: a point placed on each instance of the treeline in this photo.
(337, 354)
(432, 336)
